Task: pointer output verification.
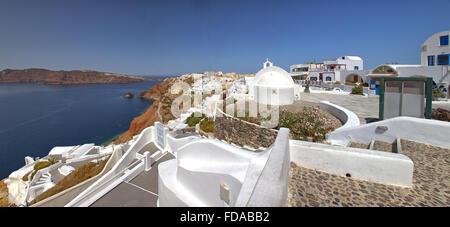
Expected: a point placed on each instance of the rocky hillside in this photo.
(44, 76)
(3, 195)
(160, 110)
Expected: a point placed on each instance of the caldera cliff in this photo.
(45, 76)
(160, 110)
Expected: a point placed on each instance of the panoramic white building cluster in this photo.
(342, 69)
(187, 169)
(435, 52)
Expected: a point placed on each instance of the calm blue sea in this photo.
(35, 118)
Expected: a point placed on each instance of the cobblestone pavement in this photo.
(363, 107)
(308, 187)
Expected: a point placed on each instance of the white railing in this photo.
(117, 171)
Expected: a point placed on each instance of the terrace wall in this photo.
(239, 132)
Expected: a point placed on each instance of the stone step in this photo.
(358, 145)
(394, 147)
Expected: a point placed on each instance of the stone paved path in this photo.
(363, 107)
(308, 187)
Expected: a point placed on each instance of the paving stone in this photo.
(431, 183)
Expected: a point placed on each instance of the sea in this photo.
(34, 118)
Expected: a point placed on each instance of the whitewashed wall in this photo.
(426, 131)
(347, 117)
(143, 139)
(253, 178)
(361, 164)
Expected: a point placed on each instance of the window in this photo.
(356, 68)
(430, 60)
(444, 40)
(442, 59)
(328, 78)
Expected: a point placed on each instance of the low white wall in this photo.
(82, 150)
(271, 188)
(420, 130)
(253, 178)
(174, 144)
(194, 178)
(204, 164)
(362, 164)
(347, 117)
(87, 158)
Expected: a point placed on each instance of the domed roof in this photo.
(273, 76)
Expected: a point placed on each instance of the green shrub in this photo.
(358, 90)
(437, 93)
(207, 125)
(365, 84)
(192, 120)
(308, 123)
(349, 83)
(52, 160)
(38, 166)
(337, 82)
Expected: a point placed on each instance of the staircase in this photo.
(394, 147)
(45, 178)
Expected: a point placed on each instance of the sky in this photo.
(171, 37)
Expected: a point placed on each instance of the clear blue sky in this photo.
(175, 37)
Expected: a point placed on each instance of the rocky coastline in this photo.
(45, 76)
(160, 110)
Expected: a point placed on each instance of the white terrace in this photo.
(160, 167)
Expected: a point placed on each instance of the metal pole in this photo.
(429, 95)
(381, 105)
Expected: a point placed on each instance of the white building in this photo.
(342, 69)
(435, 50)
(300, 71)
(345, 63)
(434, 63)
(439, 74)
(273, 85)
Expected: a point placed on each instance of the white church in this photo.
(272, 85)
